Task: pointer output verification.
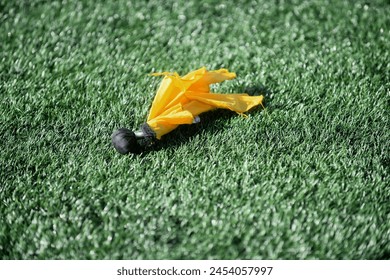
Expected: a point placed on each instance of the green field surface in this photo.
(305, 178)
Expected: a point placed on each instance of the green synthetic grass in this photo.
(306, 178)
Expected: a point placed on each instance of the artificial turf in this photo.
(306, 178)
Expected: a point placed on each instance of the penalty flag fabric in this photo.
(179, 100)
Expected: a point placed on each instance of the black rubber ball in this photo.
(124, 141)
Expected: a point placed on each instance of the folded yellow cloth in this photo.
(180, 99)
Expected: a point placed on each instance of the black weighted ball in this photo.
(124, 141)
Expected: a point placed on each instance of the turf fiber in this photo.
(306, 178)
